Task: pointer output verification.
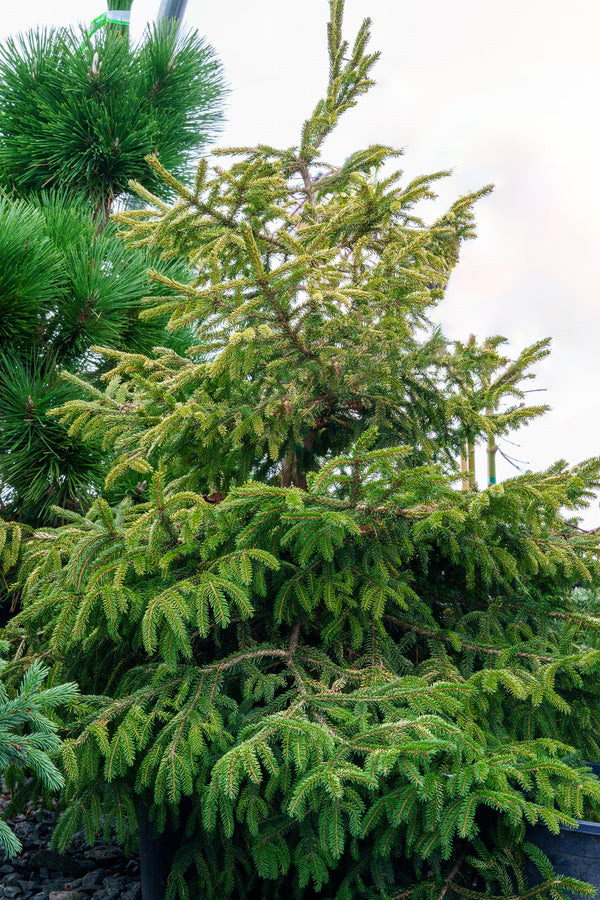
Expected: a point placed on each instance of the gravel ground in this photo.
(100, 872)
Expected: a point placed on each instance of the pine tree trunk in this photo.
(492, 450)
(121, 28)
(172, 9)
(156, 853)
(115, 30)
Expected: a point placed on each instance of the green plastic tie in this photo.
(114, 16)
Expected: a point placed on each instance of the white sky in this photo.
(504, 93)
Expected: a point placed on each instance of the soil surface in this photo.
(101, 872)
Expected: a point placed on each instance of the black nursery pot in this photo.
(156, 854)
(573, 852)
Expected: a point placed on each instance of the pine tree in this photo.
(340, 669)
(63, 288)
(79, 113)
(71, 137)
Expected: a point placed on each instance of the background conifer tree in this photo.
(341, 673)
(78, 114)
(29, 743)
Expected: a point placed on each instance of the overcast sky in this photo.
(504, 93)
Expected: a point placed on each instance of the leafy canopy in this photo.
(63, 288)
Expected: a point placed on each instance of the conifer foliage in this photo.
(79, 113)
(342, 672)
(63, 288)
(77, 117)
(28, 734)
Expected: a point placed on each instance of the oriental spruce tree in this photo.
(314, 646)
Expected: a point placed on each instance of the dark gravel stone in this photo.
(134, 892)
(53, 885)
(59, 862)
(11, 891)
(64, 895)
(115, 882)
(101, 872)
(105, 854)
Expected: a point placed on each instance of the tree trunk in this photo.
(171, 9)
(120, 28)
(471, 453)
(464, 466)
(491, 451)
(292, 474)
